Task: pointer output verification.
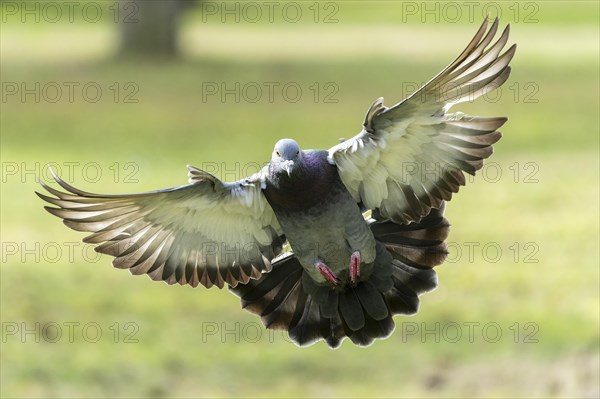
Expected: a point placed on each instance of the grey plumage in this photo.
(309, 201)
(348, 273)
(286, 299)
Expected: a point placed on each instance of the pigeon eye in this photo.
(278, 154)
(297, 153)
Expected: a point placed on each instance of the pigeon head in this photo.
(286, 155)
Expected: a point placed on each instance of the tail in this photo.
(287, 299)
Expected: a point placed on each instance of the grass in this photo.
(545, 201)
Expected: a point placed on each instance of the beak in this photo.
(288, 165)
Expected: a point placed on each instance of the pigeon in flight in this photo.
(325, 244)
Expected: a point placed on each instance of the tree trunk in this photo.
(149, 27)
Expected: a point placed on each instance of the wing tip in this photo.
(375, 109)
(53, 211)
(41, 196)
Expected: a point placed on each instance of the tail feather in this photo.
(288, 312)
(417, 279)
(329, 308)
(402, 300)
(420, 245)
(287, 298)
(351, 310)
(372, 301)
(284, 291)
(373, 329)
(310, 327)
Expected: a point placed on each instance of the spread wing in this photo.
(207, 232)
(411, 157)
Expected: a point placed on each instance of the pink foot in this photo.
(354, 266)
(326, 272)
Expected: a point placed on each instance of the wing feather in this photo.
(412, 156)
(207, 232)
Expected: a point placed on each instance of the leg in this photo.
(326, 272)
(354, 266)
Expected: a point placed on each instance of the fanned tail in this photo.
(287, 299)
(416, 248)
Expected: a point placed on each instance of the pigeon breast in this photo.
(318, 215)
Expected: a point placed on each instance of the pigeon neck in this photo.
(310, 182)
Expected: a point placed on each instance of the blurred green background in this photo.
(516, 316)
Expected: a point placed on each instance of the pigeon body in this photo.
(321, 219)
(348, 273)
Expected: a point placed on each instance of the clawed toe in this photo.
(354, 266)
(327, 273)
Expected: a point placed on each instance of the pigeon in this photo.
(323, 244)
